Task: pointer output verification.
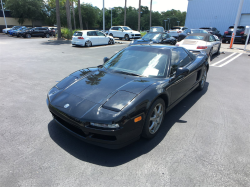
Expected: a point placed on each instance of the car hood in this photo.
(111, 91)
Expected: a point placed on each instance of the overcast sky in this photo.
(158, 5)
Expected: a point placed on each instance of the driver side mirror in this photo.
(181, 71)
(105, 59)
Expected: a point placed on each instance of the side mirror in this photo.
(105, 59)
(181, 71)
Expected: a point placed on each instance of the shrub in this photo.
(67, 34)
(143, 33)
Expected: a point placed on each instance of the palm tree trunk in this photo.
(73, 10)
(139, 15)
(125, 9)
(150, 22)
(58, 22)
(80, 15)
(68, 16)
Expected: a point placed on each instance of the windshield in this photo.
(156, 29)
(198, 31)
(152, 36)
(141, 60)
(195, 37)
(78, 34)
(126, 28)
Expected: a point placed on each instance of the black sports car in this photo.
(116, 103)
(156, 37)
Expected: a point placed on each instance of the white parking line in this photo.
(230, 60)
(106, 46)
(223, 59)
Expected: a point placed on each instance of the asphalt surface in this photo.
(204, 140)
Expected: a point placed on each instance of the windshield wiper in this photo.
(128, 73)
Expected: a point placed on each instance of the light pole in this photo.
(178, 22)
(111, 15)
(3, 14)
(168, 22)
(103, 18)
(165, 23)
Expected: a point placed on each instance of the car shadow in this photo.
(111, 158)
(56, 42)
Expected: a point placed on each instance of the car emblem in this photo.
(66, 106)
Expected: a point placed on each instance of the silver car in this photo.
(201, 42)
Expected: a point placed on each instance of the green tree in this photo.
(30, 9)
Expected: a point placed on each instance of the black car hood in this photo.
(112, 91)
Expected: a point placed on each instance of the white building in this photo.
(216, 13)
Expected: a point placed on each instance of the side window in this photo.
(100, 34)
(213, 29)
(179, 59)
(164, 36)
(211, 39)
(119, 29)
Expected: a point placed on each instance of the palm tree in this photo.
(139, 15)
(68, 15)
(150, 23)
(73, 10)
(58, 22)
(125, 9)
(80, 15)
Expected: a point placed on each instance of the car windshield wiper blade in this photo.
(128, 73)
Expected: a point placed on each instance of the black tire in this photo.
(47, 35)
(88, 43)
(150, 130)
(218, 52)
(110, 42)
(203, 79)
(126, 37)
(223, 41)
(28, 36)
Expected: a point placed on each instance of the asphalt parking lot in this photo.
(205, 139)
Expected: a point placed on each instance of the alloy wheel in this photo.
(28, 36)
(47, 35)
(156, 118)
(88, 43)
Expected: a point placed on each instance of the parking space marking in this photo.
(230, 60)
(223, 59)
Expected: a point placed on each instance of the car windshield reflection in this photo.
(139, 60)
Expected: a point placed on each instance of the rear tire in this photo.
(223, 41)
(126, 37)
(203, 79)
(88, 43)
(28, 36)
(47, 36)
(154, 119)
(111, 34)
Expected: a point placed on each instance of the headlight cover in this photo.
(111, 126)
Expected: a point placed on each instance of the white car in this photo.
(198, 42)
(175, 31)
(89, 38)
(124, 32)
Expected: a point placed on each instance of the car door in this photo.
(35, 32)
(214, 43)
(92, 36)
(120, 33)
(102, 39)
(183, 83)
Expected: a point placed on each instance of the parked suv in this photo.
(37, 31)
(124, 32)
(212, 30)
(239, 37)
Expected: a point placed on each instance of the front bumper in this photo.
(107, 138)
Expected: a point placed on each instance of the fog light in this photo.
(112, 126)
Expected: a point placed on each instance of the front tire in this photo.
(203, 80)
(154, 119)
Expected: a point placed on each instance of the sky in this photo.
(158, 5)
